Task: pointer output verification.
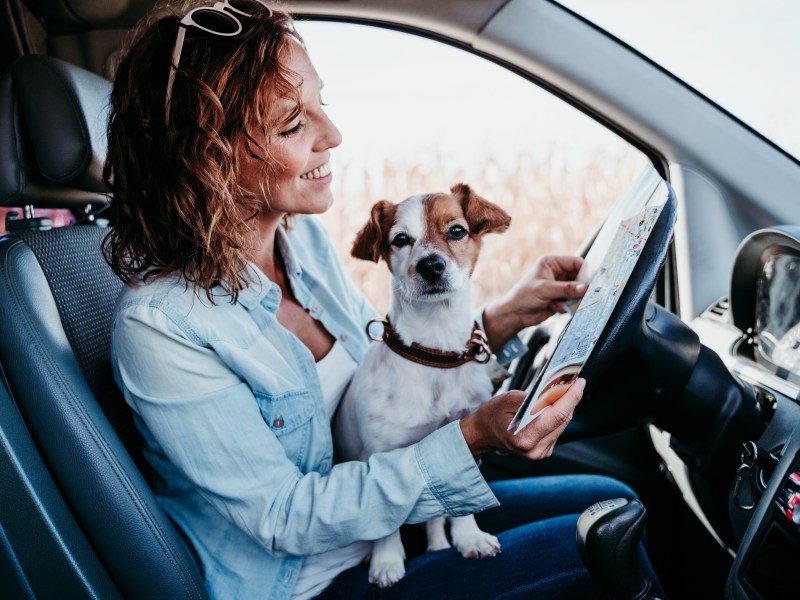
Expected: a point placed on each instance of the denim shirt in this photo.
(230, 407)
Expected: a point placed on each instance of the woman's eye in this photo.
(456, 232)
(400, 240)
(294, 130)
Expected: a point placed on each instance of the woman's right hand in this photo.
(486, 429)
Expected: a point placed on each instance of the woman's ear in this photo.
(370, 242)
(483, 216)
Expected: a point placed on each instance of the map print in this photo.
(622, 241)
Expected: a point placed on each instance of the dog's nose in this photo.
(431, 268)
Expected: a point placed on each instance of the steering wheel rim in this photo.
(604, 408)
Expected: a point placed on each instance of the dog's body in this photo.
(431, 244)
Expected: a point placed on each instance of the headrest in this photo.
(53, 121)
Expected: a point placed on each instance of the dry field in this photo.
(554, 205)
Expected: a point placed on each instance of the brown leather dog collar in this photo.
(477, 348)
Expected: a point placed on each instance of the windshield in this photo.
(739, 53)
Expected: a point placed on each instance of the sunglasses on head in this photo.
(221, 19)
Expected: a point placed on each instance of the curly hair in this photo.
(178, 206)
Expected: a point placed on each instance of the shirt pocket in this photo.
(289, 415)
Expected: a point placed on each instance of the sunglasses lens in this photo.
(246, 7)
(215, 21)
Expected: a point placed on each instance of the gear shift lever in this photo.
(609, 536)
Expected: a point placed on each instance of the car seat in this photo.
(75, 508)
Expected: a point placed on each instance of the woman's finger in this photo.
(549, 289)
(549, 425)
(562, 266)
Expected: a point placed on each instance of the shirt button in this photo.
(278, 423)
(344, 337)
(315, 308)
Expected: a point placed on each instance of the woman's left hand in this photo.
(542, 292)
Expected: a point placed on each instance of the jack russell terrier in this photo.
(430, 369)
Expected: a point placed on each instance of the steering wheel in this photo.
(643, 357)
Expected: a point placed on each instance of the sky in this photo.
(392, 93)
(743, 54)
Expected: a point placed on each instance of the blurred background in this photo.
(418, 115)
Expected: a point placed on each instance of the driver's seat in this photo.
(77, 518)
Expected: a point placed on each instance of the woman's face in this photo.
(300, 149)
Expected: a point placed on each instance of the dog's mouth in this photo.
(436, 289)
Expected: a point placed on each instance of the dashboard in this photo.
(756, 332)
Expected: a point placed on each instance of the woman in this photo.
(233, 305)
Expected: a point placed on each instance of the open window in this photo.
(419, 115)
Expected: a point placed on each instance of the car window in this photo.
(741, 54)
(418, 116)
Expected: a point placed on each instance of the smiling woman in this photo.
(233, 310)
(233, 406)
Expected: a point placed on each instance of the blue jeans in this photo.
(535, 524)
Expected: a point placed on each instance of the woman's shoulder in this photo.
(169, 290)
(170, 302)
(174, 299)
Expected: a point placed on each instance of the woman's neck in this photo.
(263, 252)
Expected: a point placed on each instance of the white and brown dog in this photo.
(428, 372)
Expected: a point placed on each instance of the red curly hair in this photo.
(178, 206)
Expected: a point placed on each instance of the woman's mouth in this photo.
(318, 173)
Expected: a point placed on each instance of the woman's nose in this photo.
(331, 137)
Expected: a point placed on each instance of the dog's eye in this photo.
(400, 240)
(457, 232)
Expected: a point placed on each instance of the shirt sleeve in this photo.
(207, 423)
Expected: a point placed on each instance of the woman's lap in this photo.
(538, 498)
(536, 527)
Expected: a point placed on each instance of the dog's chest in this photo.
(424, 395)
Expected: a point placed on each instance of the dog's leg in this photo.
(387, 566)
(437, 538)
(470, 541)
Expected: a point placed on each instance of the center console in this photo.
(767, 565)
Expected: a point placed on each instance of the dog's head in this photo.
(431, 243)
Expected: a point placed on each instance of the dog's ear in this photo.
(483, 216)
(370, 242)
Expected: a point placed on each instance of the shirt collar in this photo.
(293, 268)
(260, 287)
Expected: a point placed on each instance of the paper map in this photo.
(606, 269)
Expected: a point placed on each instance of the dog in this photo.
(431, 244)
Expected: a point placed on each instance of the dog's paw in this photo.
(386, 572)
(477, 544)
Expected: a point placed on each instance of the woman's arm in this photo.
(538, 295)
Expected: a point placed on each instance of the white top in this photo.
(335, 371)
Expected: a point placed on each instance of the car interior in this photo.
(695, 384)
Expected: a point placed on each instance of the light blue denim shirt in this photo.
(231, 410)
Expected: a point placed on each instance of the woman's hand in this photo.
(538, 295)
(486, 428)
